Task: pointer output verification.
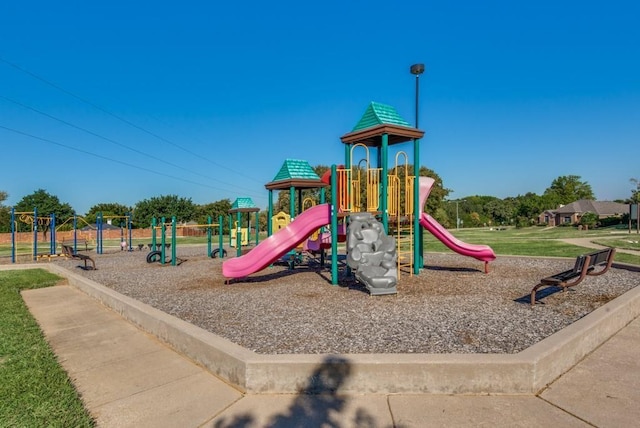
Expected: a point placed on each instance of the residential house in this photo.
(572, 213)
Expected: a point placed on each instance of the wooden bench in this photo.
(67, 251)
(595, 263)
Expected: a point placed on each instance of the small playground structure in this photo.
(35, 222)
(75, 237)
(125, 224)
(364, 191)
(158, 250)
(239, 235)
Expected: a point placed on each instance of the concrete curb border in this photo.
(526, 372)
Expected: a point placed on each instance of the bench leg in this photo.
(533, 293)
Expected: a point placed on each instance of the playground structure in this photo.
(31, 218)
(37, 222)
(239, 235)
(363, 186)
(126, 224)
(160, 255)
(53, 247)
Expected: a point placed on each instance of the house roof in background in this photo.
(597, 207)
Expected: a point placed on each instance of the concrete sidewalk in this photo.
(128, 378)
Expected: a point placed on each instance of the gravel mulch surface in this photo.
(451, 307)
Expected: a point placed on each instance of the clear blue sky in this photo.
(207, 99)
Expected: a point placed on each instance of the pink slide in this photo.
(279, 244)
(480, 252)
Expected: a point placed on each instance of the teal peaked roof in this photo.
(243, 204)
(380, 114)
(294, 169)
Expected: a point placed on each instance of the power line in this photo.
(86, 152)
(115, 142)
(71, 94)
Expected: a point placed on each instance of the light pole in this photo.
(417, 70)
(457, 217)
(418, 245)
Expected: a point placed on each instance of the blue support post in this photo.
(35, 233)
(129, 222)
(75, 231)
(98, 233)
(13, 235)
(52, 235)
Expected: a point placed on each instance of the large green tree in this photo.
(46, 205)
(567, 189)
(108, 209)
(163, 206)
(214, 210)
(501, 211)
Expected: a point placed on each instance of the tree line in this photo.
(470, 211)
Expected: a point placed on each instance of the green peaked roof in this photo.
(243, 203)
(295, 169)
(380, 114)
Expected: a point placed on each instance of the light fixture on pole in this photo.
(417, 70)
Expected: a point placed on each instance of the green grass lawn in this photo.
(35, 391)
(536, 241)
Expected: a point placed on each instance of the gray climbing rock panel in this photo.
(372, 254)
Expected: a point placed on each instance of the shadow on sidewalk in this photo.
(317, 405)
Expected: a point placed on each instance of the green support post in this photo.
(209, 236)
(163, 240)
(384, 180)
(173, 241)
(257, 226)
(239, 235)
(270, 214)
(418, 233)
(153, 234)
(292, 202)
(334, 226)
(220, 238)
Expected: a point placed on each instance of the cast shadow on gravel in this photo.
(540, 294)
(317, 404)
(452, 269)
